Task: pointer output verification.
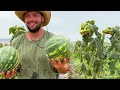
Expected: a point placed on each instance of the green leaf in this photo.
(112, 67)
(87, 56)
(21, 28)
(96, 65)
(83, 68)
(12, 30)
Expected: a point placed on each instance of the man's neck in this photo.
(35, 36)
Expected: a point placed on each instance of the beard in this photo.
(34, 30)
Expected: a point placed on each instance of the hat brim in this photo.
(46, 14)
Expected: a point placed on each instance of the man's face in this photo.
(33, 20)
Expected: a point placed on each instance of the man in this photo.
(34, 62)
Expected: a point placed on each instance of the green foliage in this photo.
(16, 31)
(1, 45)
(93, 57)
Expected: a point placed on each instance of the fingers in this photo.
(53, 62)
(49, 60)
(3, 74)
(65, 61)
(58, 62)
(13, 73)
(7, 76)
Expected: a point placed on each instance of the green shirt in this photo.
(34, 62)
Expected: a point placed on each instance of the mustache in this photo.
(32, 22)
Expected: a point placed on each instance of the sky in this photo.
(66, 23)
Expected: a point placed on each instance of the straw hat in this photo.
(46, 14)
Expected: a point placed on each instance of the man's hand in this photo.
(12, 73)
(9, 74)
(62, 67)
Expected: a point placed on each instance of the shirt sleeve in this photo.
(15, 42)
